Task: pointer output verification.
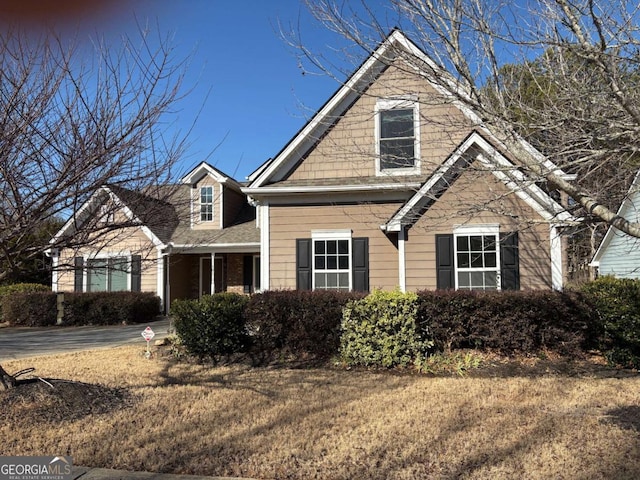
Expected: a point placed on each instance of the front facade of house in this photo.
(391, 184)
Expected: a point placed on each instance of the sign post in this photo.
(148, 334)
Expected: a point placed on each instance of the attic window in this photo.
(397, 136)
(206, 204)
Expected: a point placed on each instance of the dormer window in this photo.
(397, 136)
(206, 204)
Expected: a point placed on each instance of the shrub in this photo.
(110, 308)
(38, 309)
(617, 303)
(380, 330)
(304, 324)
(20, 288)
(212, 326)
(509, 322)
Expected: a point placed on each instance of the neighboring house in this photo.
(619, 253)
(392, 184)
(204, 239)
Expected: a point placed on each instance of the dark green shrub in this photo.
(617, 303)
(212, 326)
(110, 308)
(509, 322)
(20, 288)
(38, 309)
(380, 330)
(303, 324)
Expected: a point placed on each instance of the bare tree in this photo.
(579, 59)
(75, 117)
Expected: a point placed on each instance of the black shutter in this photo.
(78, 265)
(509, 261)
(247, 273)
(360, 260)
(444, 262)
(136, 273)
(303, 264)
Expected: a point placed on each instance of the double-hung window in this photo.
(332, 260)
(398, 134)
(477, 258)
(108, 274)
(206, 204)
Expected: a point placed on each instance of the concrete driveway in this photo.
(23, 342)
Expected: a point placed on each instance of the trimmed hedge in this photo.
(380, 330)
(212, 326)
(617, 303)
(509, 322)
(37, 309)
(6, 290)
(304, 324)
(110, 308)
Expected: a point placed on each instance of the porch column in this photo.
(556, 258)
(402, 276)
(213, 273)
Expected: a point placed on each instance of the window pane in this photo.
(463, 260)
(476, 243)
(319, 262)
(396, 123)
(343, 262)
(332, 280)
(490, 243)
(332, 246)
(491, 280)
(320, 280)
(489, 259)
(206, 194)
(343, 280)
(463, 279)
(397, 153)
(117, 280)
(332, 262)
(343, 247)
(319, 246)
(476, 260)
(462, 243)
(477, 279)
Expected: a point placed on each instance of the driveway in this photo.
(30, 342)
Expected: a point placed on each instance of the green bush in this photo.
(20, 288)
(302, 324)
(38, 309)
(110, 308)
(212, 326)
(509, 322)
(380, 330)
(617, 303)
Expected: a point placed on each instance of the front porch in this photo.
(192, 275)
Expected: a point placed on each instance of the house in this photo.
(393, 183)
(201, 238)
(619, 253)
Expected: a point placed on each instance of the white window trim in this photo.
(200, 204)
(466, 231)
(105, 256)
(331, 235)
(404, 101)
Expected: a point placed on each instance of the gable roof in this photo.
(155, 217)
(476, 147)
(630, 202)
(205, 168)
(275, 169)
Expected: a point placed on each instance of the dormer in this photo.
(215, 197)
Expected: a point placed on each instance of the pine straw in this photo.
(574, 421)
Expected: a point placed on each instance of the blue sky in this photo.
(258, 97)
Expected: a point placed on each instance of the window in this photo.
(477, 262)
(206, 204)
(108, 274)
(331, 264)
(397, 136)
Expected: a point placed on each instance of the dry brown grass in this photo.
(524, 422)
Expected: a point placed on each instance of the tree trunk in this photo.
(6, 380)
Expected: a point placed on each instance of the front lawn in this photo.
(541, 420)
